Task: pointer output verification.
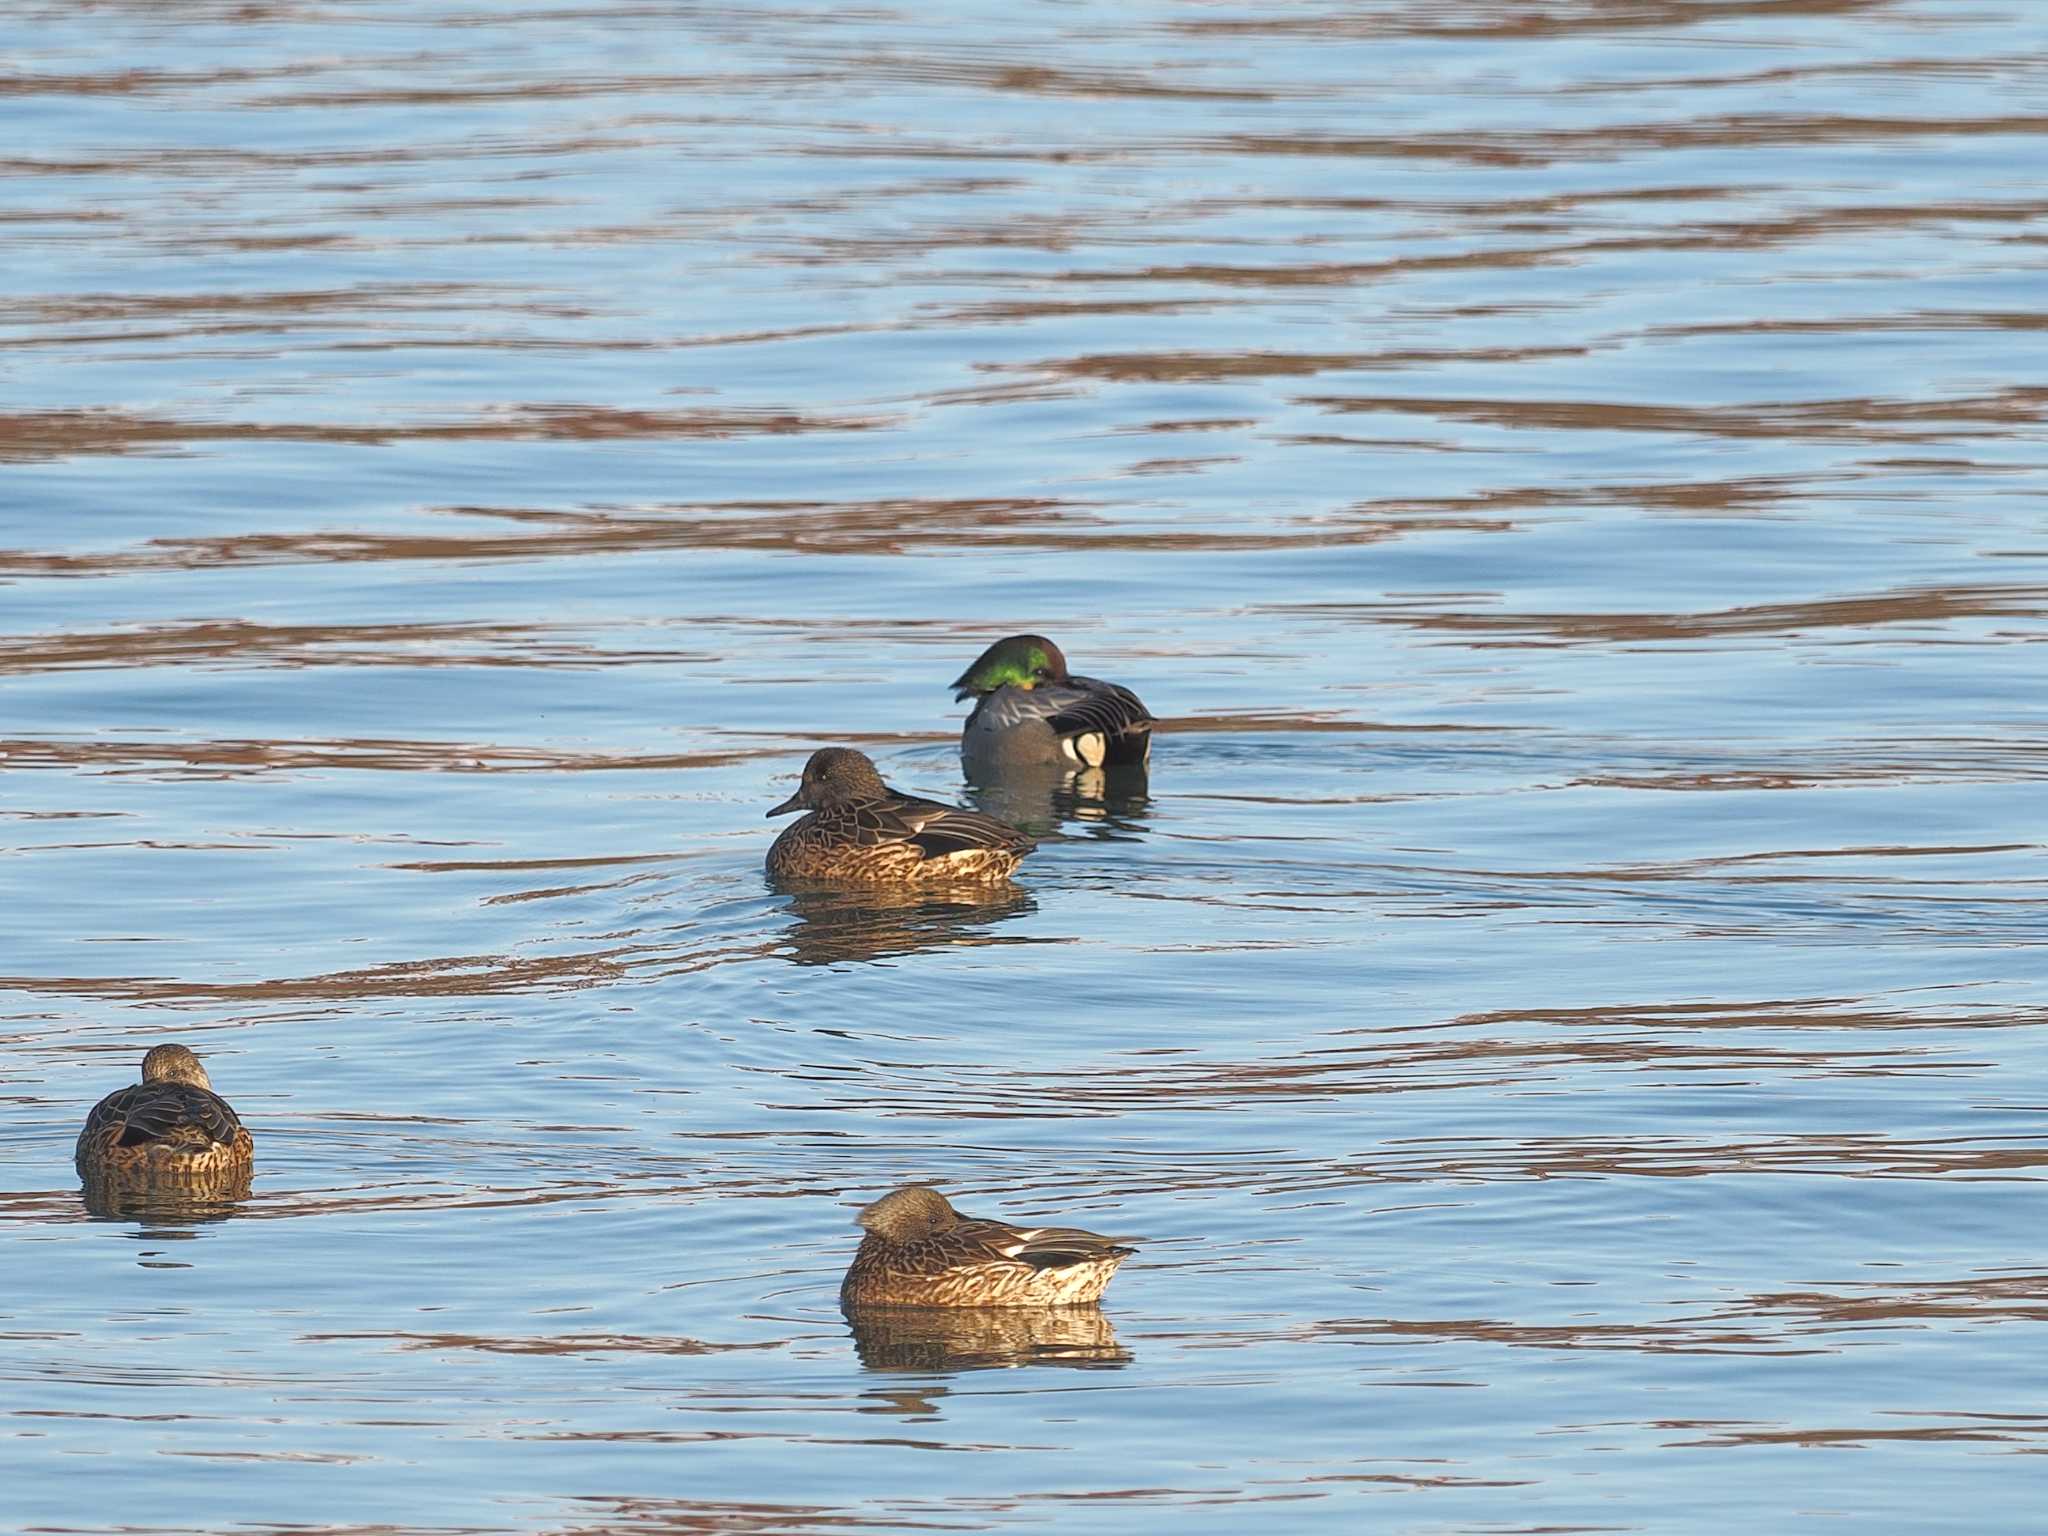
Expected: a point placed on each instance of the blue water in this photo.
(1564, 1018)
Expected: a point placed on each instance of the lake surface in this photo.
(1566, 1017)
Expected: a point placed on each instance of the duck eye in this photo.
(1043, 674)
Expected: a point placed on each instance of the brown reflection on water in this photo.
(976, 1338)
(1216, 367)
(861, 527)
(1618, 141)
(1867, 419)
(1857, 325)
(267, 311)
(1044, 80)
(1307, 721)
(438, 976)
(816, 528)
(1672, 1338)
(1505, 509)
(1870, 1155)
(1514, 1050)
(577, 89)
(29, 436)
(1044, 1506)
(1780, 1324)
(836, 927)
(545, 1344)
(303, 645)
(611, 1513)
(901, 526)
(1800, 1016)
(1528, 20)
(2027, 1430)
(1901, 605)
(131, 81)
(1984, 761)
(1742, 235)
(1988, 1298)
(1754, 870)
(223, 759)
(226, 758)
(165, 1207)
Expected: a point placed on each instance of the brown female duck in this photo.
(169, 1128)
(862, 832)
(920, 1252)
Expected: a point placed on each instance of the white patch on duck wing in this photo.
(947, 829)
(1099, 706)
(1054, 1247)
(1088, 749)
(915, 818)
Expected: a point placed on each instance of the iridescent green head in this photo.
(1022, 660)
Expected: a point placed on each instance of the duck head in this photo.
(907, 1214)
(1023, 660)
(834, 776)
(174, 1064)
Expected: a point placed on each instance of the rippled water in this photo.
(1566, 1016)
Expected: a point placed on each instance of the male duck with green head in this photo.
(1029, 711)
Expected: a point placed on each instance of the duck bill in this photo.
(794, 803)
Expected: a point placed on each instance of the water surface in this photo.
(1565, 1014)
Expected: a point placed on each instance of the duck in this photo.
(169, 1128)
(920, 1252)
(1029, 710)
(862, 832)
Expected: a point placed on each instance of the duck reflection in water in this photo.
(836, 926)
(1042, 798)
(982, 1338)
(167, 1151)
(166, 1209)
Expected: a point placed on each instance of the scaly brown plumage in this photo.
(862, 832)
(169, 1128)
(920, 1252)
